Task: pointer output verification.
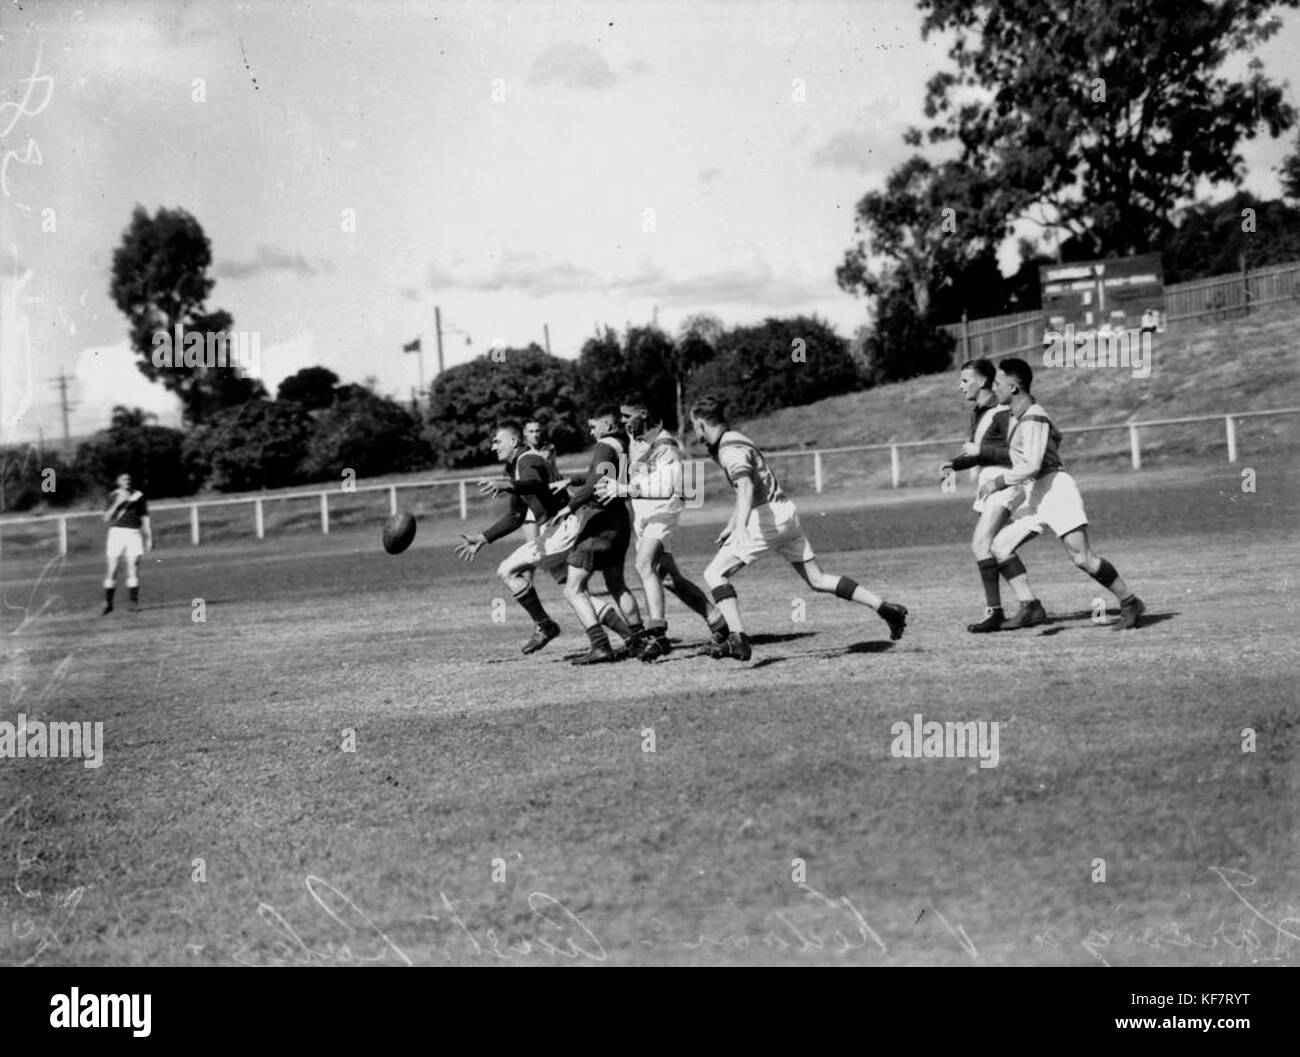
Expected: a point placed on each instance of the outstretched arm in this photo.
(740, 512)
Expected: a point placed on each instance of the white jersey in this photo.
(655, 478)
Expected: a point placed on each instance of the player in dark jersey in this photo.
(987, 447)
(527, 482)
(130, 534)
(535, 439)
(602, 543)
(762, 521)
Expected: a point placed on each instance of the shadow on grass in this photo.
(1084, 616)
(768, 639)
(877, 646)
(146, 607)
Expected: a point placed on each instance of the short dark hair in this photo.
(1014, 367)
(511, 425)
(606, 411)
(984, 368)
(711, 410)
(635, 402)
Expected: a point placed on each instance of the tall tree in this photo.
(257, 445)
(467, 401)
(1215, 238)
(160, 281)
(1289, 173)
(366, 433)
(151, 454)
(926, 228)
(1101, 116)
(697, 343)
(312, 387)
(778, 363)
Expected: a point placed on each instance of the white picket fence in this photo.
(462, 484)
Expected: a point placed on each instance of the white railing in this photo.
(462, 483)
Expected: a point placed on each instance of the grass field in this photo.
(224, 743)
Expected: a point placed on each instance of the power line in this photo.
(61, 382)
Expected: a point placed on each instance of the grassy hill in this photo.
(1208, 368)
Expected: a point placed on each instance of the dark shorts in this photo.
(604, 548)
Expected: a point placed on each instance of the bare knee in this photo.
(824, 582)
(1084, 560)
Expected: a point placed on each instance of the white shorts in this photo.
(1053, 501)
(550, 549)
(771, 527)
(126, 541)
(658, 525)
(1007, 498)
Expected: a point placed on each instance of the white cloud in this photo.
(106, 376)
(288, 358)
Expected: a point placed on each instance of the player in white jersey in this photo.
(1052, 498)
(764, 520)
(988, 449)
(130, 534)
(654, 485)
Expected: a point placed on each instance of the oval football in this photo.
(399, 531)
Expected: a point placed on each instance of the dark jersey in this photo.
(531, 474)
(608, 459)
(129, 514)
(994, 438)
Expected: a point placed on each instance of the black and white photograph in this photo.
(650, 484)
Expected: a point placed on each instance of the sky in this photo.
(522, 166)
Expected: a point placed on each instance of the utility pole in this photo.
(546, 331)
(62, 383)
(437, 327)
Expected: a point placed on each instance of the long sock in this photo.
(852, 591)
(533, 605)
(1109, 578)
(687, 591)
(988, 568)
(612, 618)
(108, 596)
(724, 597)
(1014, 571)
(134, 592)
(599, 640)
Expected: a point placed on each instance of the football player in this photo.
(654, 485)
(535, 439)
(528, 484)
(602, 545)
(987, 448)
(1052, 498)
(130, 534)
(764, 520)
